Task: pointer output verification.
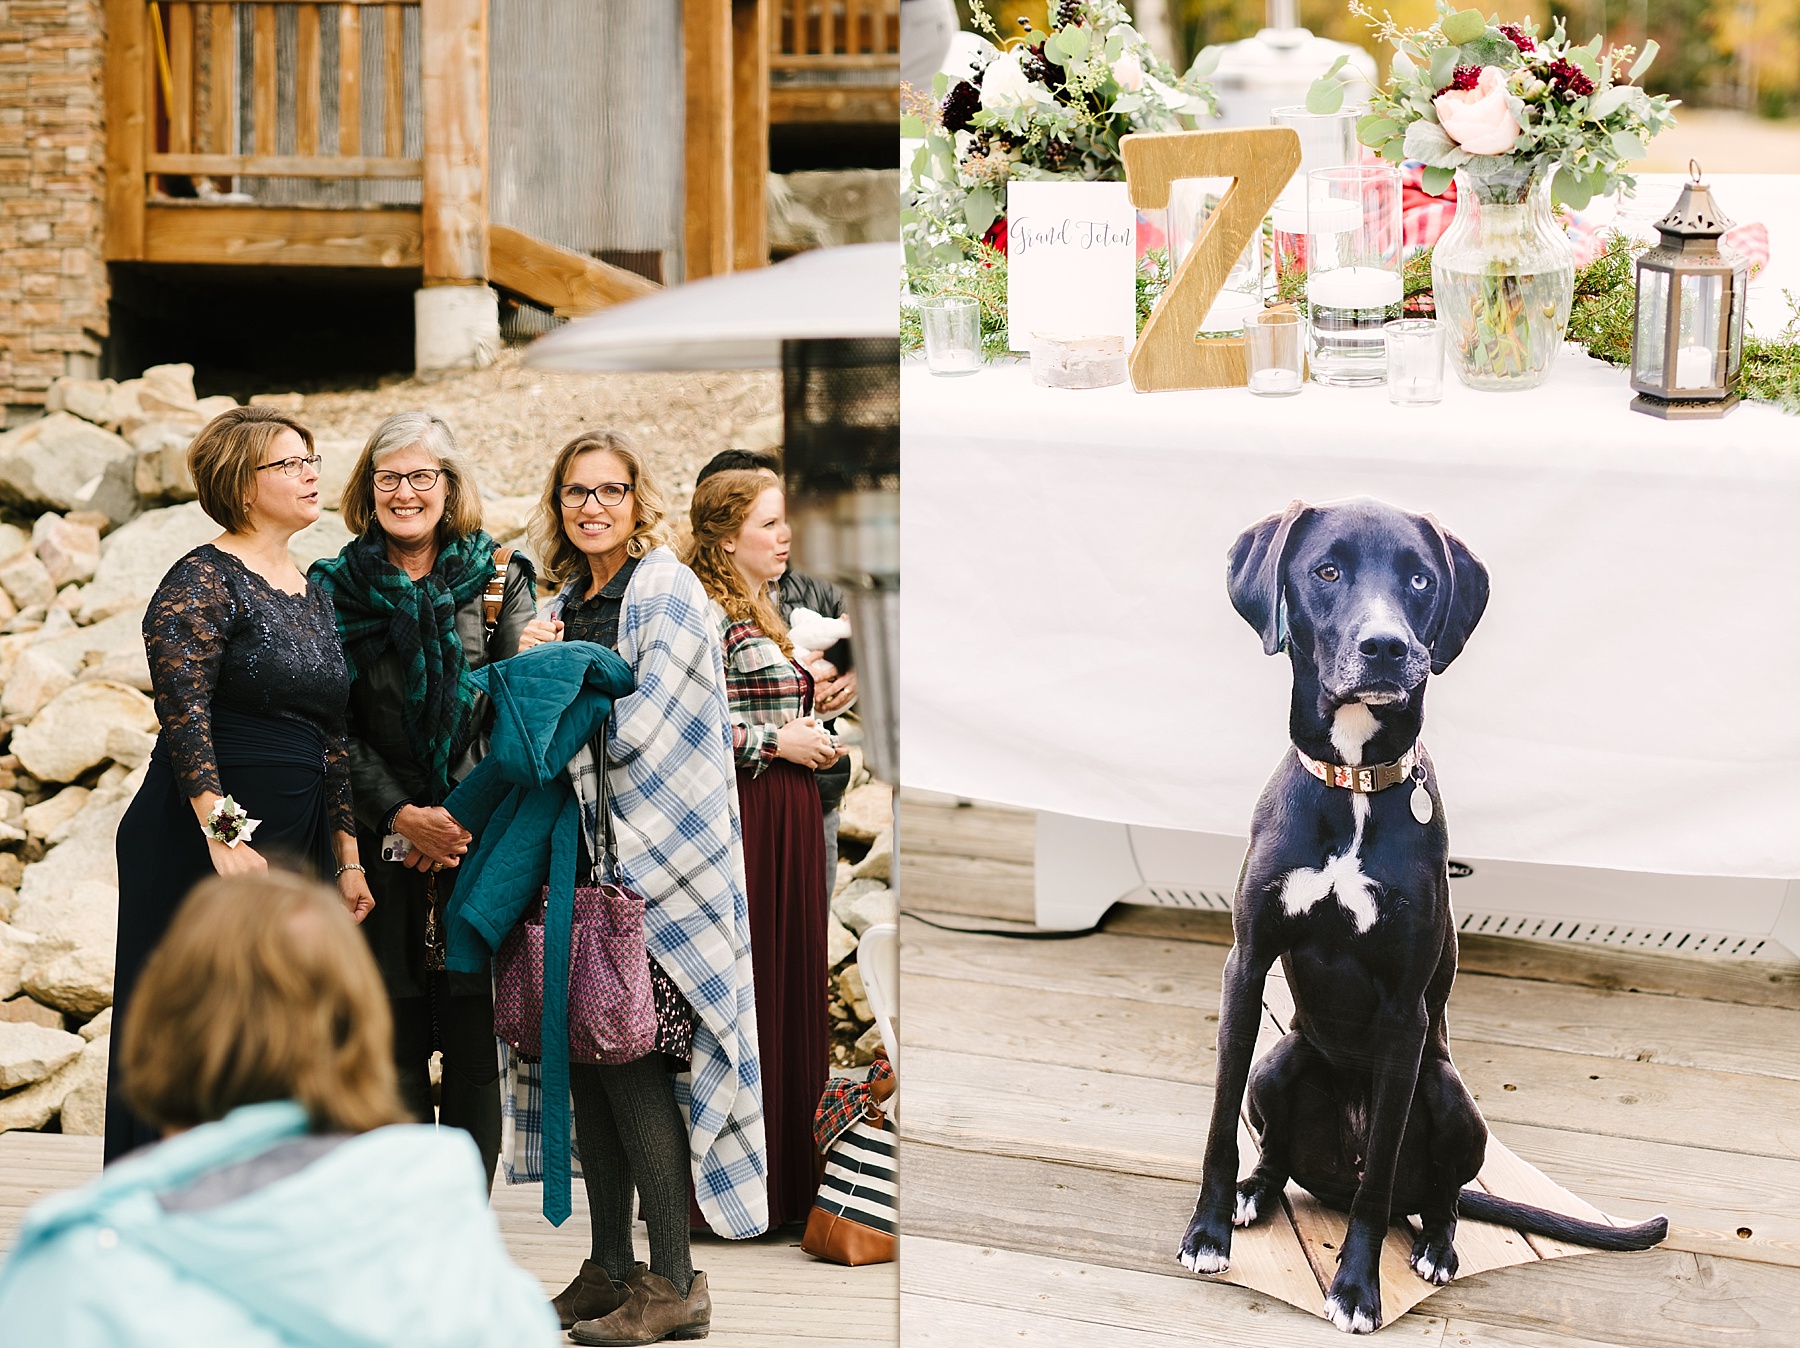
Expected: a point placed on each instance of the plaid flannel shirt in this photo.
(765, 688)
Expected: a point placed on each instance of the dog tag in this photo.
(1421, 803)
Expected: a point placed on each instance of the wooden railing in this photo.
(813, 35)
(196, 92)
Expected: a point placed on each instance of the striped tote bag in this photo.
(855, 1217)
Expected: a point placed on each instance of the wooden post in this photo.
(706, 35)
(453, 57)
(749, 133)
(127, 103)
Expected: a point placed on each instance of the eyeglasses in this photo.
(422, 479)
(295, 466)
(574, 496)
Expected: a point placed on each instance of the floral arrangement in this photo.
(1042, 105)
(1500, 101)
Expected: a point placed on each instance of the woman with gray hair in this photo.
(423, 597)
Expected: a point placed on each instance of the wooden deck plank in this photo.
(1132, 1222)
(1647, 1101)
(1039, 1299)
(1143, 1125)
(1489, 1007)
(1622, 1096)
(766, 1291)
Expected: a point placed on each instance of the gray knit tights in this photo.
(631, 1137)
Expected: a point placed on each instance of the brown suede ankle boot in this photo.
(655, 1312)
(593, 1294)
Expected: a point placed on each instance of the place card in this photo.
(1071, 261)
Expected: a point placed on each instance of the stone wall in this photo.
(53, 287)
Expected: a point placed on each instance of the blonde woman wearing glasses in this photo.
(251, 768)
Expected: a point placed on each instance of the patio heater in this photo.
(830, 321)
(1276, 67)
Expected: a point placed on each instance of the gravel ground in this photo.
(512, 420)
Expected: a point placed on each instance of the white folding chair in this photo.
(878, 958)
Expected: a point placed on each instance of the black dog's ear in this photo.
(1253, 574)
(1465, 597)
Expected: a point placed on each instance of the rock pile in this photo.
(863, 897)
(103, 506)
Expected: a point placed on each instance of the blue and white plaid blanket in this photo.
(675, 811)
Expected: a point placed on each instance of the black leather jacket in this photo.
(383, 772)
(798, 590)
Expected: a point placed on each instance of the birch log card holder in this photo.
(1071, 261)
(1259, 161)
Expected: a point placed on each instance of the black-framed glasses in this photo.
(422, 479)
(295, 466)
(574, 496)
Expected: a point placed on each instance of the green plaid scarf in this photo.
(380, 608)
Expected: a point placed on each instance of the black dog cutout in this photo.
(1346, 883)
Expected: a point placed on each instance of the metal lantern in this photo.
(1687, 347)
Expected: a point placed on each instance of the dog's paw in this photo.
(1253, 1199)
(1353, 1306)
(1205, 1248)
(1434, 1259)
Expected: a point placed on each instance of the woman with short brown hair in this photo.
(251, 766)
(280, 1207)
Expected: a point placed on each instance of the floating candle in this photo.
(1355, 288)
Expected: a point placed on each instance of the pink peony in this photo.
(1479, 119)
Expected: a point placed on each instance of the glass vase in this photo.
(1502, 277)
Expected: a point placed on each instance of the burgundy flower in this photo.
(1567, 81)
(960, 104)
(1517, 36)
(1464, 78)
(995, 237)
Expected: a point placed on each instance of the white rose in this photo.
(1004, 85)
(1479, 119)
(1129, 72)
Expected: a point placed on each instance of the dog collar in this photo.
(1362, 780)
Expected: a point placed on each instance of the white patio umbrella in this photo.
(737, 321)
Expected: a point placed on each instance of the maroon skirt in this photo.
(784, 867)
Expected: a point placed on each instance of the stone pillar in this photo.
(53, 286)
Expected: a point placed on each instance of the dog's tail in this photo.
(1485, 1207)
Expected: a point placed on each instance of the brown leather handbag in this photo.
(855, 1217)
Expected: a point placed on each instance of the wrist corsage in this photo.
(229, 823)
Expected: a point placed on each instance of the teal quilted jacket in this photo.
(521, 809)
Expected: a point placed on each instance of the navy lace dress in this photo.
(251, 690)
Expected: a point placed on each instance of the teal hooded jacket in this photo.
(521, 812)
(384, 1240)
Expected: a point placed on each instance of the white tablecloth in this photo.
(1631, 699)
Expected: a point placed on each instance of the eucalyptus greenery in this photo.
(1601, 319)
(1605, 313)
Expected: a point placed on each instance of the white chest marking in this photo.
(1353, 725)
(1351, 728)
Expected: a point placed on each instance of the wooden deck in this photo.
(766, 1293)
(1058, 1092)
